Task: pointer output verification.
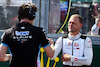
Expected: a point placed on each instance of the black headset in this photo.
(31, 13)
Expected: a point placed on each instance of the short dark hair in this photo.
(24, 9)
(80, 18)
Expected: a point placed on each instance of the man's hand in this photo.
(50, 41)
(9, 56)
(66, 57)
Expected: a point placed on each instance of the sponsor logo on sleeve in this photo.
(76, 59)
(90, 44)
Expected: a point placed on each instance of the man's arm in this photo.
(88, 54)
(57, 48)
(3, 56)
(49, 51)
(52, 51)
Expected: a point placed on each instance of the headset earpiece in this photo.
(31, 13)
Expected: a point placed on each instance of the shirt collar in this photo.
(74, 37)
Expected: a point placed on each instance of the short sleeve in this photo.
(44, 41)
(4, 38)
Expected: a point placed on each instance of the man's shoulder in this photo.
(37, 28)
(83, 37)
(65, 36)
(9, 30)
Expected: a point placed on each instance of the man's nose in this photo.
(71, 24)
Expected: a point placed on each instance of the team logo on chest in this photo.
(69, 43)
(76, 44)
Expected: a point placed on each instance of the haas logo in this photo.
(69, 43)
(76, 59)
(76, 44)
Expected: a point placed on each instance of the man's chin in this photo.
(71, 31)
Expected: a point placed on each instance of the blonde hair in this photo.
(80, 18)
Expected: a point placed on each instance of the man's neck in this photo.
(74, 37)
(27, 20)
(73, 34)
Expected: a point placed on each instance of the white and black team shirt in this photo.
(79, 47)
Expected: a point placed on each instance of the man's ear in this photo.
(81, 25)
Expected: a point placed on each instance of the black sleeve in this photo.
(4, 38)
(44, 41)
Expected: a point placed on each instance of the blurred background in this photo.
(51, 13)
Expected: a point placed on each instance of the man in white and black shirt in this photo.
(76, 48)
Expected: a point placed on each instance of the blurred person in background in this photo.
(95, 28)
(95, 12)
